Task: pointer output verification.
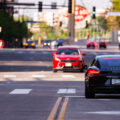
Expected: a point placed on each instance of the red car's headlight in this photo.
(57, 59)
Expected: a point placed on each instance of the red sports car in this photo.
(92, 44)
(68, 57)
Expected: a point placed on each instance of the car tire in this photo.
(89, 93)
(82, 69)
(54, 70)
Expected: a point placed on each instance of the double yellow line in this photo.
(61, 115)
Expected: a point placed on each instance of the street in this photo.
(29, 90)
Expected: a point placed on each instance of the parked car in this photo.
(68, 57)
(91, 44)
(103, 76)
(102, 45)
(59, 42)
(30, 44)
(47, 43)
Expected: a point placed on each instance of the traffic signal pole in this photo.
(71, 23)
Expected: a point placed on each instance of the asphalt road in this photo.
(29, 90)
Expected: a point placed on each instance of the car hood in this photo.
(71, 57)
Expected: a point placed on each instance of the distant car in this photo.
(59, 42)
(47, 43)
(103, 76)
(102, 45)
(91, 44)
(68, 58)
(30, 44)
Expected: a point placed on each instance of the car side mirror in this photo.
(53, 53)
(83, 54)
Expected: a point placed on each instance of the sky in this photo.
(87, 3)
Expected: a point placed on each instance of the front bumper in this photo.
(68, 66)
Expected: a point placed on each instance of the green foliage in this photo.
(103, 22)
(116, 5)
(11, 29)
(116, 8)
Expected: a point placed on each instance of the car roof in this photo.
(69, 47)
(107, 56)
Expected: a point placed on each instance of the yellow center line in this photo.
(63, 109)
(54, 110)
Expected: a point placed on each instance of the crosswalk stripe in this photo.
(68, 76)
(20, 91)
(38, 76)
(9, 76)
(66, 91)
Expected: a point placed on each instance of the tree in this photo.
(12, 30)
(116, 8)
(103, 23)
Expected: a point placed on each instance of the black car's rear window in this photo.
(110, 62)
(68, 51)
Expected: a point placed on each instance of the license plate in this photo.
(68, 64)
(116, 81)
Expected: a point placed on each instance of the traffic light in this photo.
(94, 12)
(40, 7)
(54, 5)
(70, 6)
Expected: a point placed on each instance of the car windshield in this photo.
(30, 41)
(68, 51)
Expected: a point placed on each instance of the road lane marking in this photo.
(21, 91)
(66, 91)
(71, 91)
(75, 96)
(60, 91)
(38, 76)
(54, 110)
(63, 109)
(9, 76)
(68, 76)
(105, 112)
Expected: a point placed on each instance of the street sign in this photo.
(113, 13)
(31, 21)
(80, 14)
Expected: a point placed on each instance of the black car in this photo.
(103, 76)
(102, 45)
(59, 42)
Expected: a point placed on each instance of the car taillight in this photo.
(105, 44)
(93, 72)
(99, 43)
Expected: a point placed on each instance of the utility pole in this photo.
(71, 23)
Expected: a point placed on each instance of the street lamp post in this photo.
(71, 23)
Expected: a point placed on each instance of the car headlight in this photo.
(26, 44)
(48, 43)
(57, 59)
(32, 44)
(44, 43)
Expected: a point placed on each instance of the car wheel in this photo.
(82, 69)
(89, 93)
(54, 70)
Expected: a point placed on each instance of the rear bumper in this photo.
(107, 90)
